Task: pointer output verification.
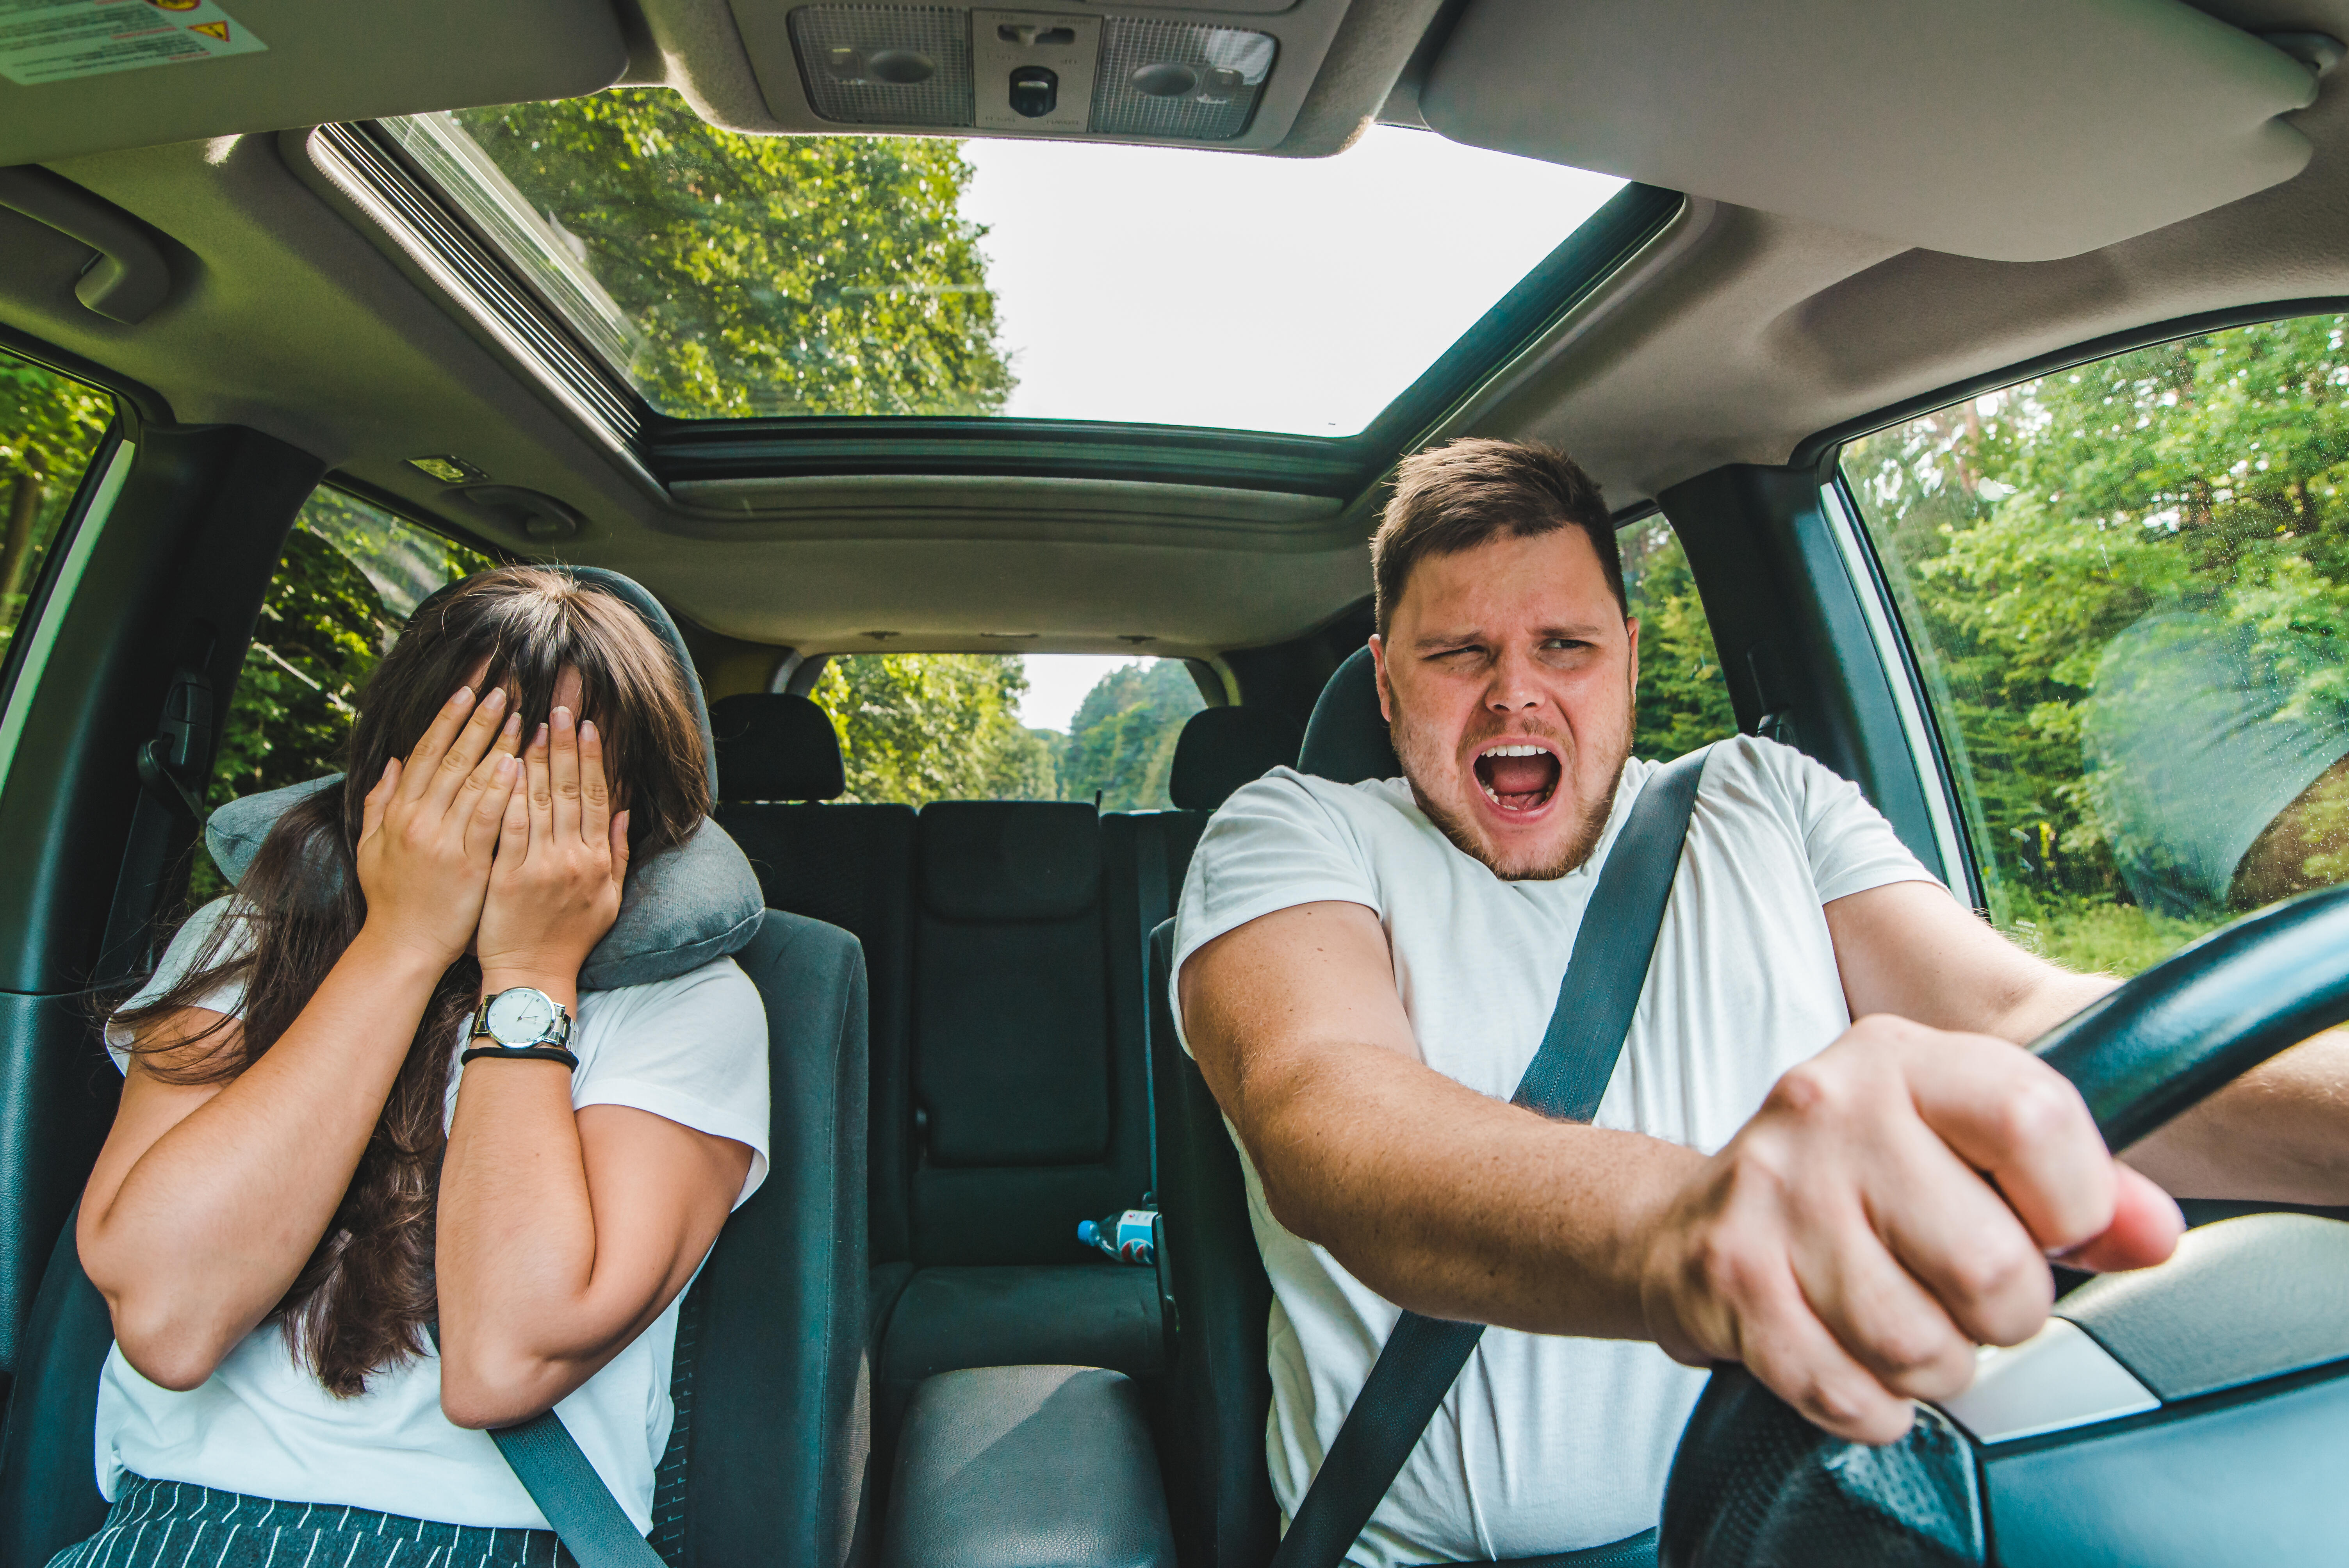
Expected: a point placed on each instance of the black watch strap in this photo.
(523, 1053)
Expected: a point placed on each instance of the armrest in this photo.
(1027, 1467)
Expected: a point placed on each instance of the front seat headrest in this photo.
(773, 746)
(1222, 748)
(681, 909)
(1346, 740)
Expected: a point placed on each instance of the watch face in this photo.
(520, 1016)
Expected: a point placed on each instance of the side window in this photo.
(2127, 588)
(917, 728)
(350, 576)
(1683, 702)
(50, 430)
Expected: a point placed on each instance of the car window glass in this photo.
(50, 430)
(2127, 589)
(917, 728)
(1682, 700)
(350, 574)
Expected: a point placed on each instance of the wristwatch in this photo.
(522, 1021)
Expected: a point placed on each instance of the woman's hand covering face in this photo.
(561, 858)
(430, 829)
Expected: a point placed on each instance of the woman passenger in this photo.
(320, 1150)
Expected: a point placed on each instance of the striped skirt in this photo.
(176, 1525)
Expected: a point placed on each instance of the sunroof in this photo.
(732, 276)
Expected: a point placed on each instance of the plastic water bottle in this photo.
(1125, 1236)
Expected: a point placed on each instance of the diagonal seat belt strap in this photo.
(588, 1519)
(1566, 1080)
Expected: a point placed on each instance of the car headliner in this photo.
(1732, 336)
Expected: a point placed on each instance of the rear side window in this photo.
(1682, 700)
(344, 588)
(2126, 586)
(49, 431)
(917, 728)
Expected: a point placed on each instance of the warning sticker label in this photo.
(61, 40)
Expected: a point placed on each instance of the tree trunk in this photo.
(24, 512)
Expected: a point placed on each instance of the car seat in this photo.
(766, 1462)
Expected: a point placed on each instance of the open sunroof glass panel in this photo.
(730, 276)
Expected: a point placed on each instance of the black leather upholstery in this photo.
(1219, 1388)
(1346, 739)
(1222, 748)
(1004, 861)
(1027, 1467)
(774, 746)
(48, 1489)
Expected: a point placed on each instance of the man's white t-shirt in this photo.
(692, 1049)
(1545, 1444)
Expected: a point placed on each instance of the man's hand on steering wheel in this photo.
(1892, 1206)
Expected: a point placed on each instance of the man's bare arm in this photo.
(1845, 1245)
(2278, 1134)
(1441, 1199)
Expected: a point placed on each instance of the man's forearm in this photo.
(1457, 1205)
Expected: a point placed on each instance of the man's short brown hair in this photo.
(1457, 497)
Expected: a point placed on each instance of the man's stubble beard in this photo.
(1424, 757)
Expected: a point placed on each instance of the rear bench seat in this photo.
(1010, 1097)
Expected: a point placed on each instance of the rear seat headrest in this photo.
(1222, 748)
(772, 746)
(1008, 860)
(1346, 739)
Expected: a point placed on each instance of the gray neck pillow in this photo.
(681, 909)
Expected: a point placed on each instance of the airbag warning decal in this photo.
(60, 40)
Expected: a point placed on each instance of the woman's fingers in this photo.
(513, 824)
(371, 807)
(538, 764)
(422, 761)
(491, 796)
(563, 766)
(619, 831)
(465, 752)
(594, 795)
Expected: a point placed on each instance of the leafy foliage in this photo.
(1683, 702)
(1121, 740)
(917, 728)
(2025, 530)
(49, 428)
(786, 275)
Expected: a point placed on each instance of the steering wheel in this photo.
(2195, 1413)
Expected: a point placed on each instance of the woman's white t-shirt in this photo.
(692, 1049)
(1545, 1443)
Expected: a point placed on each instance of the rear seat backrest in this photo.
(1027, 1120)
(847, 865)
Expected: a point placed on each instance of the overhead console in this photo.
(1231, 75)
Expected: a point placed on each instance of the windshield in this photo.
(731, 275)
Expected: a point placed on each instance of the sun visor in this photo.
(93, 76)
(2014, 130)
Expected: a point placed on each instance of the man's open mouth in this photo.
(1518, 777)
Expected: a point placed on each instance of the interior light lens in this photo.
(1178, 80)
(885, 64)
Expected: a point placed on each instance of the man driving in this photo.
(1848, 1208)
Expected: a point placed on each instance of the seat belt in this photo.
(588, 1519)
(1565, 1081)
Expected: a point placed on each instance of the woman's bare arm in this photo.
(562, 1234)
(208, 1199)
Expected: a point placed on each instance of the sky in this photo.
(1057, 683)
(1275, 293)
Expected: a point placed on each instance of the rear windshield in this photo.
(917, 728)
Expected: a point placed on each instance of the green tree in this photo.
(1122, 741)
(49, 426)
(785, 274)
(1683, 701)
(2028, 529)
(917, 728)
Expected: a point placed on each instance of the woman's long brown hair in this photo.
(361, 1302)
